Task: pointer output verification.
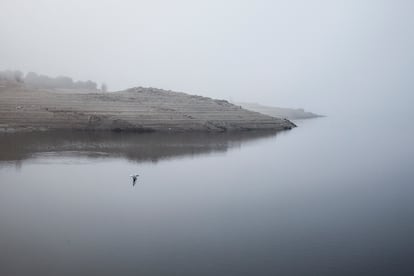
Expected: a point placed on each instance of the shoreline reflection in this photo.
(148, 147)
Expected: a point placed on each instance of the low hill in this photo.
(279, 112)
(136, 109)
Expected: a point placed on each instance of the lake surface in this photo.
(331, 197)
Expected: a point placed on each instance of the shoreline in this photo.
(140, 110)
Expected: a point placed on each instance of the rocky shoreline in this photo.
(137, 110)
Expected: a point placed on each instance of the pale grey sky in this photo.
(323, 55)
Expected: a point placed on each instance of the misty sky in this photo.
(323, 55)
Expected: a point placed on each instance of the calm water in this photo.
(332, 197)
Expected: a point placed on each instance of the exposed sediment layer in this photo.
(136, 109)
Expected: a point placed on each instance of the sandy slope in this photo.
(135, 109)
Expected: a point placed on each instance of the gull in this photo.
(134, 178)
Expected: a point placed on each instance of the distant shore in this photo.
(280, 112)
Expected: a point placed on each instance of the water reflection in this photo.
(152, 147)
(324, 199)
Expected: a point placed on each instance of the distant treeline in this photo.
(43, 81)
(11, 76)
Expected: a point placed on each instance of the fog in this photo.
(324, 56)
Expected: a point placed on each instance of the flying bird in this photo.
(134, 178)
